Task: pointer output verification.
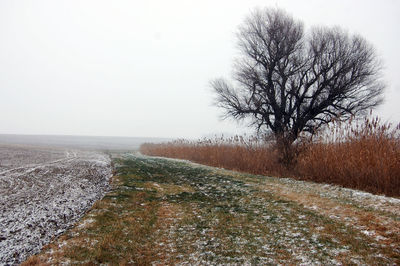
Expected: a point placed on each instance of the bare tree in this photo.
(290, 82)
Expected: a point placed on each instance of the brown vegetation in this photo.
(168, 212)
(364, 156)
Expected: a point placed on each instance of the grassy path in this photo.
(166, 212)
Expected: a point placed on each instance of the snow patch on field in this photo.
(44, 192)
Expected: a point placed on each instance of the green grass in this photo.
(168, 212)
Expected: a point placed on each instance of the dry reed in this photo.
(363, 156)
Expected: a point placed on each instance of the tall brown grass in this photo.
(357, 155)
(364, 156)
(236, 153)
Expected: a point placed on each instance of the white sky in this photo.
(142, 68)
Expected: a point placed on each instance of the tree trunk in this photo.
(286, 150)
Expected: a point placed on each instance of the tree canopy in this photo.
(290, 81)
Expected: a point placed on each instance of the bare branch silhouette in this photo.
(288, 81)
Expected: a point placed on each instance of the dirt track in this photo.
(173, 212)
(43, 191)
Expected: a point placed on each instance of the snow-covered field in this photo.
(43, 191)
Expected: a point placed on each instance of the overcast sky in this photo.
(142, 68)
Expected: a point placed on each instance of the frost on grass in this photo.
(375, 216)
(42, 193)
(173, 212)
